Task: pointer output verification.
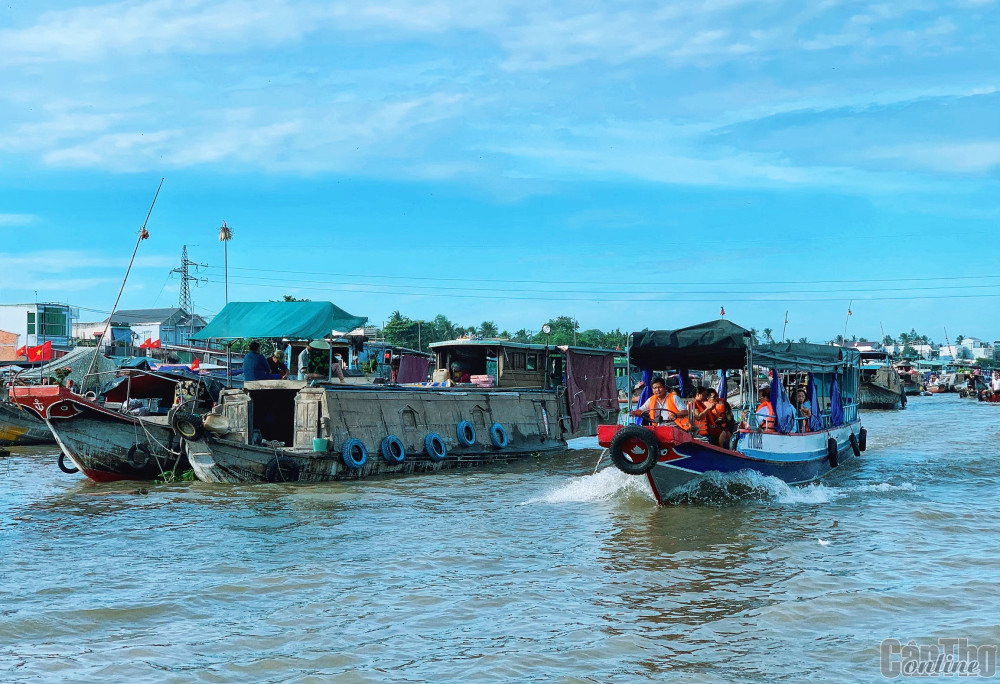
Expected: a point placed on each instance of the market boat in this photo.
(880, 386)
(670, 457)
(283, 430)
(126, 433)
(20, 427)
(910, 377)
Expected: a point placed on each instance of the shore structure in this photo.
(282, 430)
(788, 444)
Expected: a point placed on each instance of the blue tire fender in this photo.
(354, 454)
(393, 450)
(435, 447)
(498, 436)
(466, 432)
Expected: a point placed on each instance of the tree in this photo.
(803, 340)
(768, 335)
(958, 340)
(888, 340)
(488, 329)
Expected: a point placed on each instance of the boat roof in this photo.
(294, 320)
(723, 344)
(520, 345)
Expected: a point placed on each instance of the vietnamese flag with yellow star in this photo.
(42, 352)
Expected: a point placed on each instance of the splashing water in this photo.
(606, 484)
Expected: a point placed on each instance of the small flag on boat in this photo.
(42, 352)
(155, 344)
(145, 345)
(722, 311)
(849, 312)
(196, 364)
(23, 351)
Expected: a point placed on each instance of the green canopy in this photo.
(706, 346)
(294, 320)
(804, 356)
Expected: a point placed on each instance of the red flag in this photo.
(196, 364)
(155, 344)
(145, 345)
(23, 351)
(722, 311)
(42, 352)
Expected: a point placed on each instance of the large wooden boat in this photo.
(909, 377)
(670, 457)
(21, 427)
(880, 386)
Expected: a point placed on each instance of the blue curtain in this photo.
(836, 405)
(815, 419)
(646, 392)
(684, 379)
(723, 386)
(784, 416)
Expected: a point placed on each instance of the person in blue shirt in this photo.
(255, 366)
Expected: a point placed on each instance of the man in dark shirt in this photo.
(255, 366)
(279, 370)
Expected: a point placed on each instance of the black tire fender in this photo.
(862, 439)
(637, 441)
(854, 444)
(138, 456)
(187, 425)
(65, 468)
(832, 452)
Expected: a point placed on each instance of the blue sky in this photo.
(631, 164)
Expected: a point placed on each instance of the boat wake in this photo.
(606, 484)
(712, 489)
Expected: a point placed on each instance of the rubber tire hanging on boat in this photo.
(466, 432)
(282, 469)
(854, 444)
(393, 450)
(629, 435)
(63, 467)
(187, 425)
(435, 447)
(135, 449)
(832, 452)
(863, 439)
(498, 436)
(347, 454)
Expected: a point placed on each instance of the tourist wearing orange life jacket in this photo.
(765, 411)
(700, 410)
(655, 409)
(678, 408)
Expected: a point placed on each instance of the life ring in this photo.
(466, 433)
(281, 469)
(632, 442)
(90, 396)
(862, 439)
(187, 425)
(854, 444)
(65, 468)
(143, 461)
(435, 447)
(354, 454)
(832, 452)
(393, 450)
(498, 436)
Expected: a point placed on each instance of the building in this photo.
(131, 327)
(35, 324)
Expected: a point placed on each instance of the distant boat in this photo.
(670, 457)
(879, 386)
(909, 377)
(22, 427)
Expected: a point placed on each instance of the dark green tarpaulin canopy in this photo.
(803, 356)
(706, 346)
(294, 320)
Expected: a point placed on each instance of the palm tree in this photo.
(768, 335)
(488, 329)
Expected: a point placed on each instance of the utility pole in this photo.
(184, 300)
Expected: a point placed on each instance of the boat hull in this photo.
(881, 389)
(794, 459)
(22, 427)
(98, 441)
(530, 422)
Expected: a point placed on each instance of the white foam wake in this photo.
(606, 484)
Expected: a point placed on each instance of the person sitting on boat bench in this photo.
(699, 411)
(765, 411)
(720, 420)
(654, 410)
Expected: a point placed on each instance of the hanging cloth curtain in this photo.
(836, 405)
(646, 392)
(784, 415)
(815, 419)
(723, 386)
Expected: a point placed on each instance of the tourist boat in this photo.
(284, 430)
(880, 386)
(129, 431)
(670, 457)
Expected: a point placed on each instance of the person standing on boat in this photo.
(995, 381)
(255, 366)
(765, 411)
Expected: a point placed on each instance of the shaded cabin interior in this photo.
(508, 364)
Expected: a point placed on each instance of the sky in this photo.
(631, 164)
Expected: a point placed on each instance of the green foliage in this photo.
(241, 346)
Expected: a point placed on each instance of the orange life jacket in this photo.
(765, 420)
(654, 408)
(701, 424)
(682, 421)
(717, 416)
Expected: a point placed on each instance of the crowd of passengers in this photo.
(710, 417)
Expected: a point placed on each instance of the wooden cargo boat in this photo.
(21, 427)
(880, 386)
(794, 452)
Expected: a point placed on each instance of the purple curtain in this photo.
(836, 404)
(412, 369)
(590, 381)
(645, 393)
(815, 418)
(723, 386)
(784, 418)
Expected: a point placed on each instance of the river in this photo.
(540, 570)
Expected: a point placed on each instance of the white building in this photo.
(131, 327)
(38, 323)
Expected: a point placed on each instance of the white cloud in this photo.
(959, 158)
(17, 219)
